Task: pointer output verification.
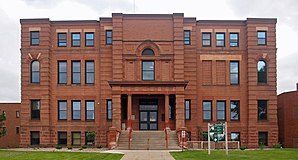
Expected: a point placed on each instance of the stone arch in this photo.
(148, 45)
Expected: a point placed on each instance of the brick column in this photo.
(180, 115)
(167, 121)
(129, 111)
(116, 118)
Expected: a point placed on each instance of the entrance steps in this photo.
(148, 140)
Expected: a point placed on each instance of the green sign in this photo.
(217, 129)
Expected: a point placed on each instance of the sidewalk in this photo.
(144, 154)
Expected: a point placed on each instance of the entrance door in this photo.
(148, 115)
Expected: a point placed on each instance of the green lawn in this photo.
(32, 155)
(278, 154)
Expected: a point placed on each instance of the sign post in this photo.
(226, 137)
(183, 135)
(209, 152)
(218, 130)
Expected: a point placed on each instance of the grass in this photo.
(274, 154)
(32, 155)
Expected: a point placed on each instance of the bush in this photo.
(277, 145)
(99, 147)
(262, 146)
(69, 147)
(58, 147)
(84, 147)
(243, 147)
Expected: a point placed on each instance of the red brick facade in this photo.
(181, 72)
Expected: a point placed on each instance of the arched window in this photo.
(148, 52)
(35, 72)
(262, 72)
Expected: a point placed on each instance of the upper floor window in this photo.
(220, 39)
(35, 109)
(234, 72)
(206, 39)
(221, 110)
(235, 110)
(262, 109)
(35, 74)
(62, 72)
(89, 39)
(76, 72)
(148, 52)
(62, 39)
(148, 70)
(262, 72)
(207, 110)
(262, 37)
(187, 109)
(187, 37)
(90, 110)
(75, 39)
(109, 37)
(76, 110)
(109, 109)
(34, 38)
(89, 72)
(62, 110)
(18, 114)
(234, 39)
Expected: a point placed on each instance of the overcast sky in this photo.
(12, 10)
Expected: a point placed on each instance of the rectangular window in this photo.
(234, 39)
(235, 136)
(109, 109)
(234, 72)
(109, 37)
(76, 72)
(262, 109)
(221, 110)
(207, 110)
(75, 39)
(235, 110)
(89, 110)
(220, 39)
(89, 140)
(35, 109)
(89, 39)
(34, 137)
(187, 106)
(262, 37)
(62, 39)
(62, 72)
(187, 37)
(17, 130)
(89, 72)
(76, 138)
(148, 70)
(18, 114)
(62, 110)
(34, 38)
(206, 39)
(172, 107)
(76, 110)
(62, 138)
(263, 138)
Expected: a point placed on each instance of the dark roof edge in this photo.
(288, 92)
(35, 20)
(2, 103)
(265, 20)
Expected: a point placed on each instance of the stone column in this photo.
(129, 111)
(167, 120)
(180, 111)
(116, 111)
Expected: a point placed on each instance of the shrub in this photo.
(69, 147)
(277, 145)
(243, 147)
(99, 147)
(58, 147)
(84, 147)
(262, 146)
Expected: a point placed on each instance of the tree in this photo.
(2, 128)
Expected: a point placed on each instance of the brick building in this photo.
(147, 72)
(287, 105)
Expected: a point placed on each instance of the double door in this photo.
(148, 116)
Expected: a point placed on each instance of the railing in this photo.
(167, 138)
(129, 137)
(117, 137)
(218, 145)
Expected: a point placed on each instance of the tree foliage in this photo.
(2, 128)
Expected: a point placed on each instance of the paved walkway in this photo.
(144, 154)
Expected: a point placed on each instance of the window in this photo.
(206, 39)
(76, 138)
(62, 138)
(262, 109)
(109, 109)
(148, 52)
(88, 139)
(62, 110)
(89, 39)
(220, 39)
(62, 72)
(89, 72)
(262, 37)
(109, 37)
(187, 106)
(148, 70)
(234, 72)
(62, 39)
(76, 110)
(35, 74)
(18, 114)
(235, 110)
(75, 39)
(234, 40)
(76, 72)
(263, 138)
(34, 137)
(207, 110)
(35, 109)
(34, 38)
(262, 72)
(187, 37)
(17, 130)
(221, 110)
(89, 110)
(172, 106)
(235, 136)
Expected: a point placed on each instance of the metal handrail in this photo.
(129, 137)
(167, 138)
